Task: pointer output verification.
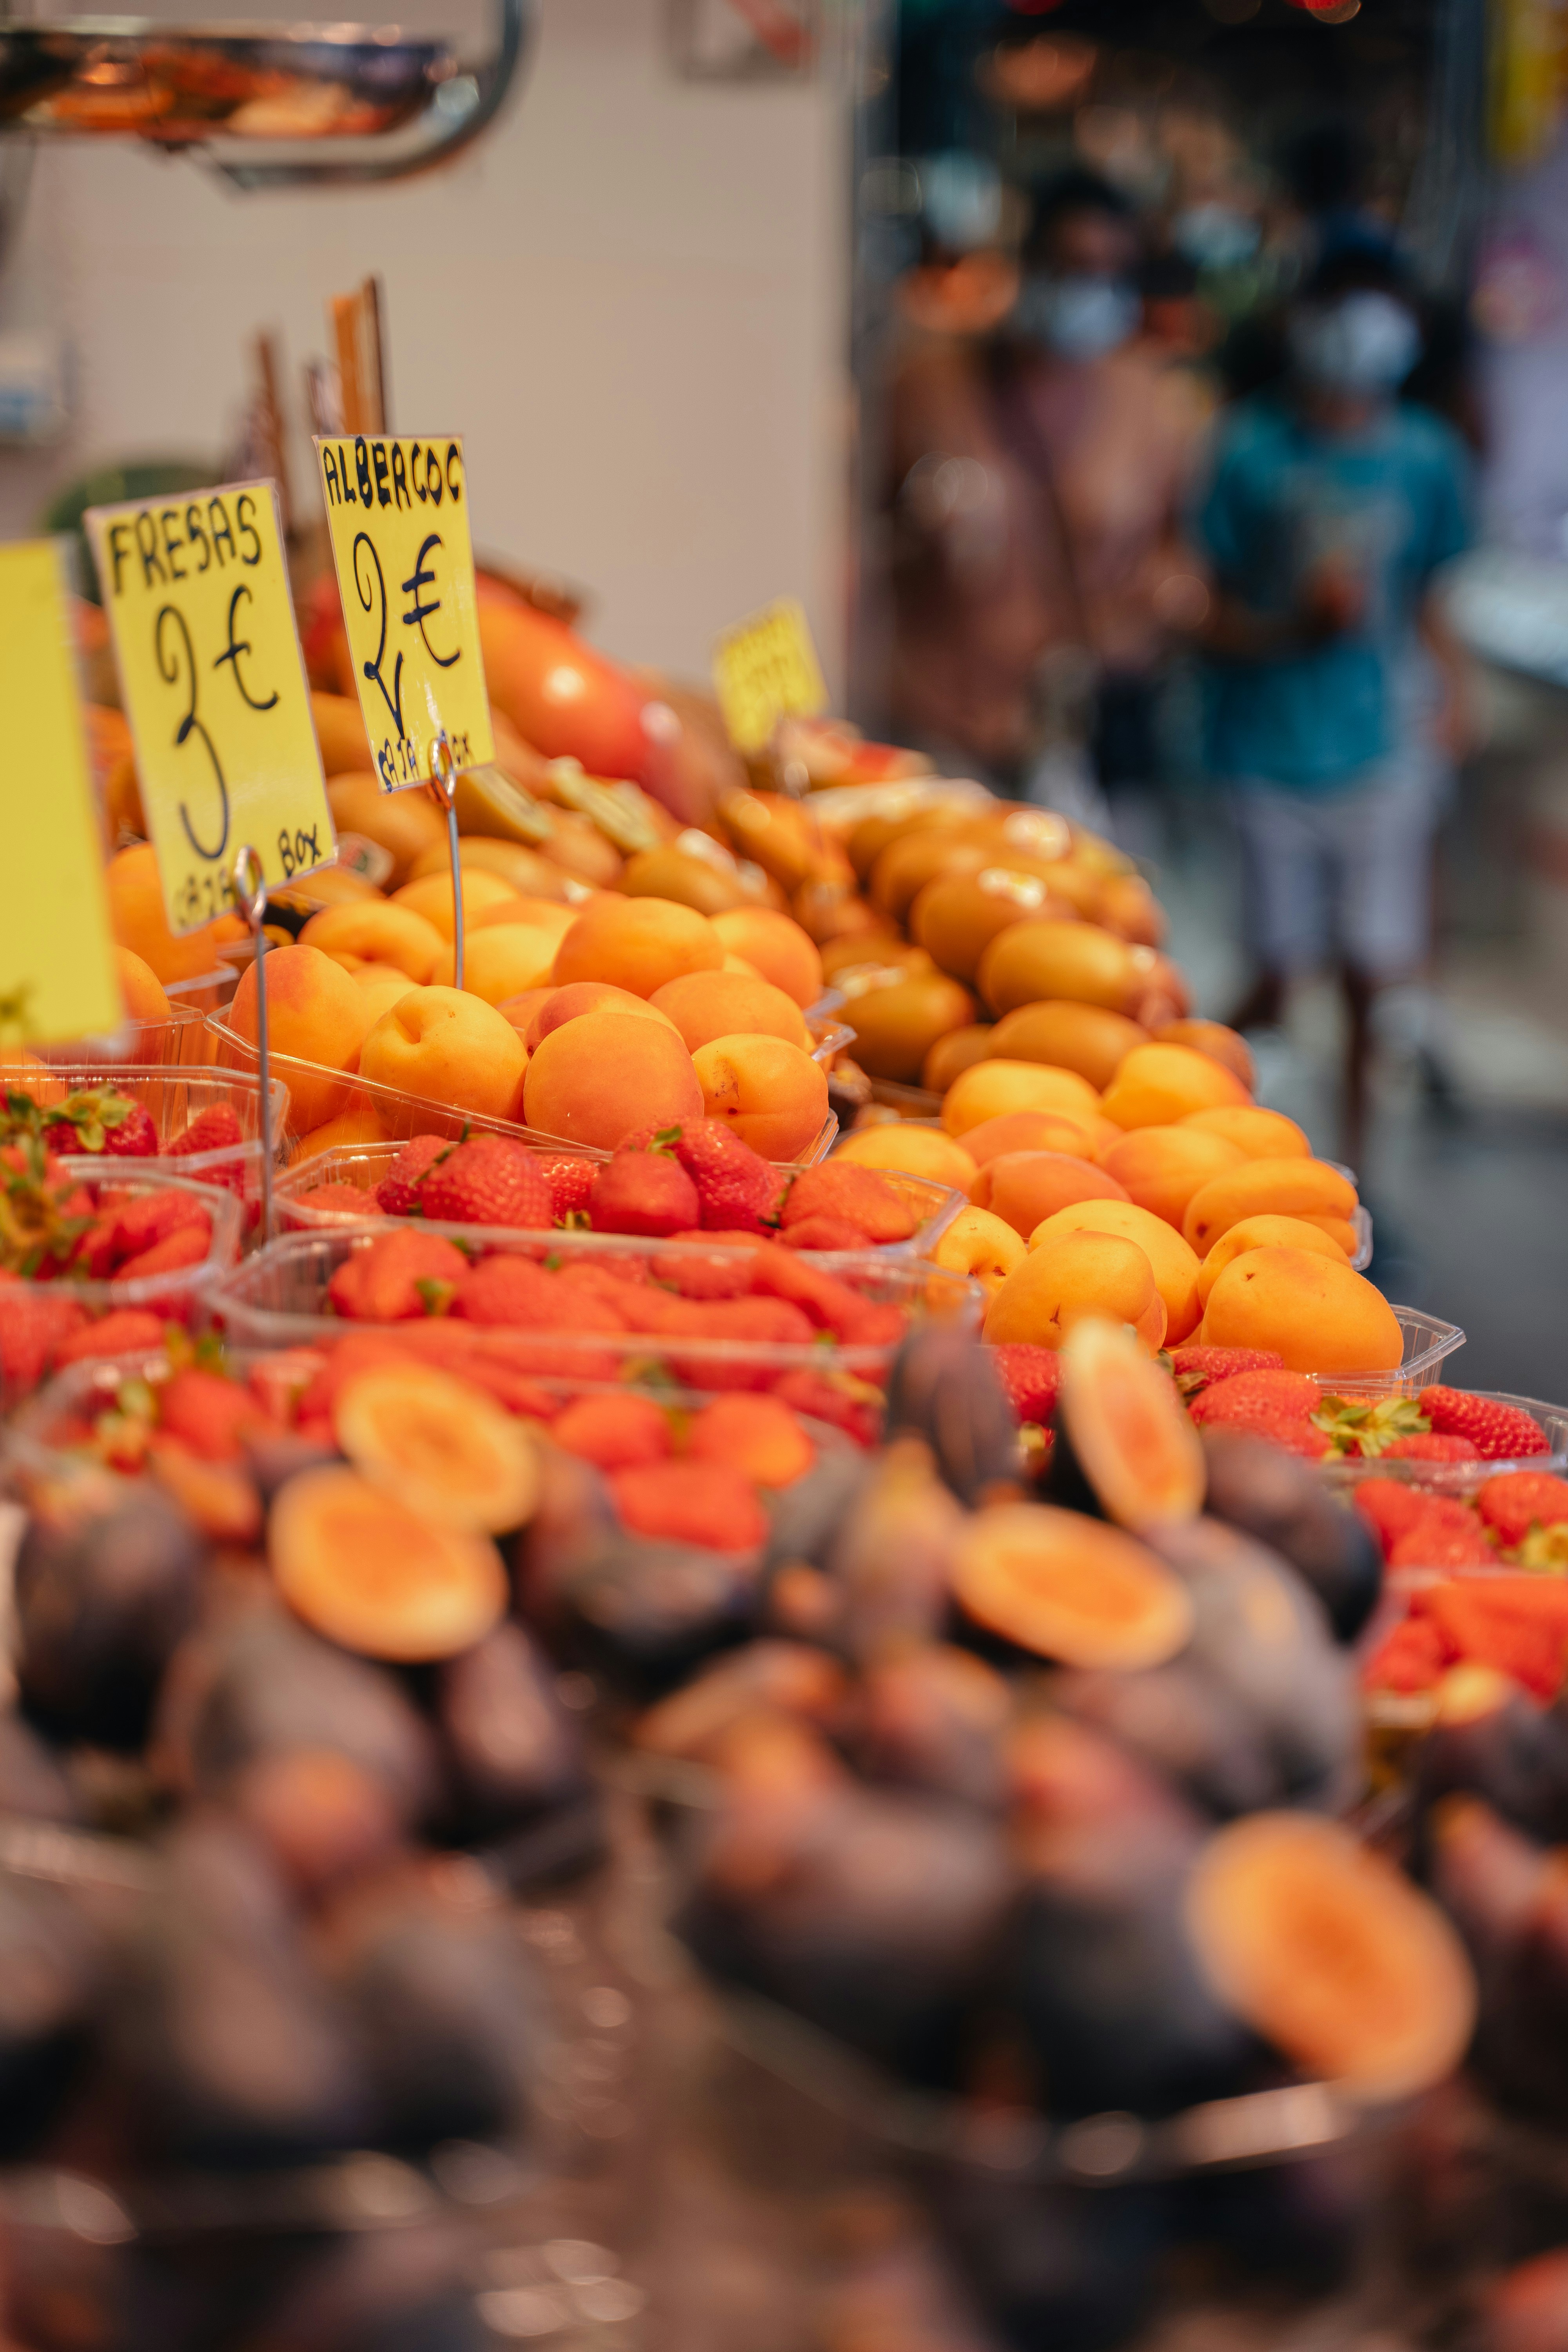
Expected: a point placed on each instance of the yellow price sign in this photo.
(57, 974)
(196, 591)
(397, 512)
(765, 670)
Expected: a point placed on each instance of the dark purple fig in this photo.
(931, 1717)
(514, 1749)
(102, 1598)
(32, 1781)
(1491, 1740)
(1071, 2269)
(1183, 1723)
(1282, 1501)
(773, 1677)
(943, 1388)
(403, 2290)
(643, 1612)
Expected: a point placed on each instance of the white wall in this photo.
(629, 298)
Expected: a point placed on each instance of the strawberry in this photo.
(400, 1276)
(1391, 1508)
(101, 1118)
(838, 1398)
(133, 1138)
(217, 1128)
(1499, 1432)
(737, 1188)
(491, 1181)
(1521, 1499)
(1197, 1366)
(186, 1246)
(514, 1291)
(398, 1190)
(1514, 1623)
(1032, 1377)
(1411, 1659)
(833, 1305)
(642, 1193)
(1251, 1400)
(855, 1196)
(571, 1182)
(614, 1432)
(140, 1220)
(35, 1322)
(207, 1413)
(1427, 1445)
(1430, 1544)
(127, 1332)
(340, 1199)
(825, 1233)
(1292, 1435)
(715, 1508)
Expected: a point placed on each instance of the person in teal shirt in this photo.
(1335, 696)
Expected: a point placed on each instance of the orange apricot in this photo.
(140, 987)
(985, 1246)
(524, 870)
(1073, 1276)
(708, 1004)
(637, 943)
(896, 1026)
(1045, 957)
(992, 1088)
(1128, 908)
(1025, 1188)
(403, 824)
(905, 867)
(355, 1125)
(775, 946)
(1032, 1130)
(958, 914)
(500, 960)
(771, 1092)
(376, 931)
(381, 985)
(137, 920)
(314, 1012)
(1162, 1167)
(1175, 1266)
(542, 914)
(448, 1047)
(1088, 1038)
(757, 1436)
(1158, 1084)
(606, 1074)
(1263, 1233)
(912, 1149)
(958, 1050)
(432, 897)
(1315, 1311)
(556, 1006)
(1212, 1037)
(1276, 1188)
(1256, 1133)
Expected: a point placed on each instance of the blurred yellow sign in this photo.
(766, 670)
(397, 512)
(196, 591)
(58, 976)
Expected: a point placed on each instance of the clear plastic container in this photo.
(173, 1295)
(278, 1298)
(180, 1037)
(398, 1116)
(173, 1096)
(364, 1165)
(208, 992)
(1462, 1478)
(1428, 1342)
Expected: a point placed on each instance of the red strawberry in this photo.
(825, 1233)
(1197, 1366)
(400, 1276)
(715, 1508)
(62, 1139)
(833, 1305)
(1270, 1389)
(837, 1398)
(36, 1320)
(491, 1181)
(134, 1138)
(1521, 1499)
(1499, 1432)
(1393, 1508)
(143, 1219)
(398, 1190)
(186, 1246)
(615, 1433)
(571, 1182)
(1431, 1544)
(737, 1187)
(213, 1129)
(1293, 1436)
(1411, 1659)
(642, 1193)
(125, 1332)
(855, 1196)
(514, 1291)
(1032, 1377)
(1427, 1445)
(210, 1414)
(1513, 1623)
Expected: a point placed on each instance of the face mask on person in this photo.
(1214, 235)
(1364, 344)
(1077, 318)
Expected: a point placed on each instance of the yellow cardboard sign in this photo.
(765, 670)
(196, 591)
(397, 512)
(57, 973)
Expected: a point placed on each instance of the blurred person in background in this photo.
(1037, 478)
(1337, 699)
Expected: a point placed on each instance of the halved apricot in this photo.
(1070, 1588)
(1331, 1955)
(360, 1566)
(439, 1444)
(1129, 1428)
